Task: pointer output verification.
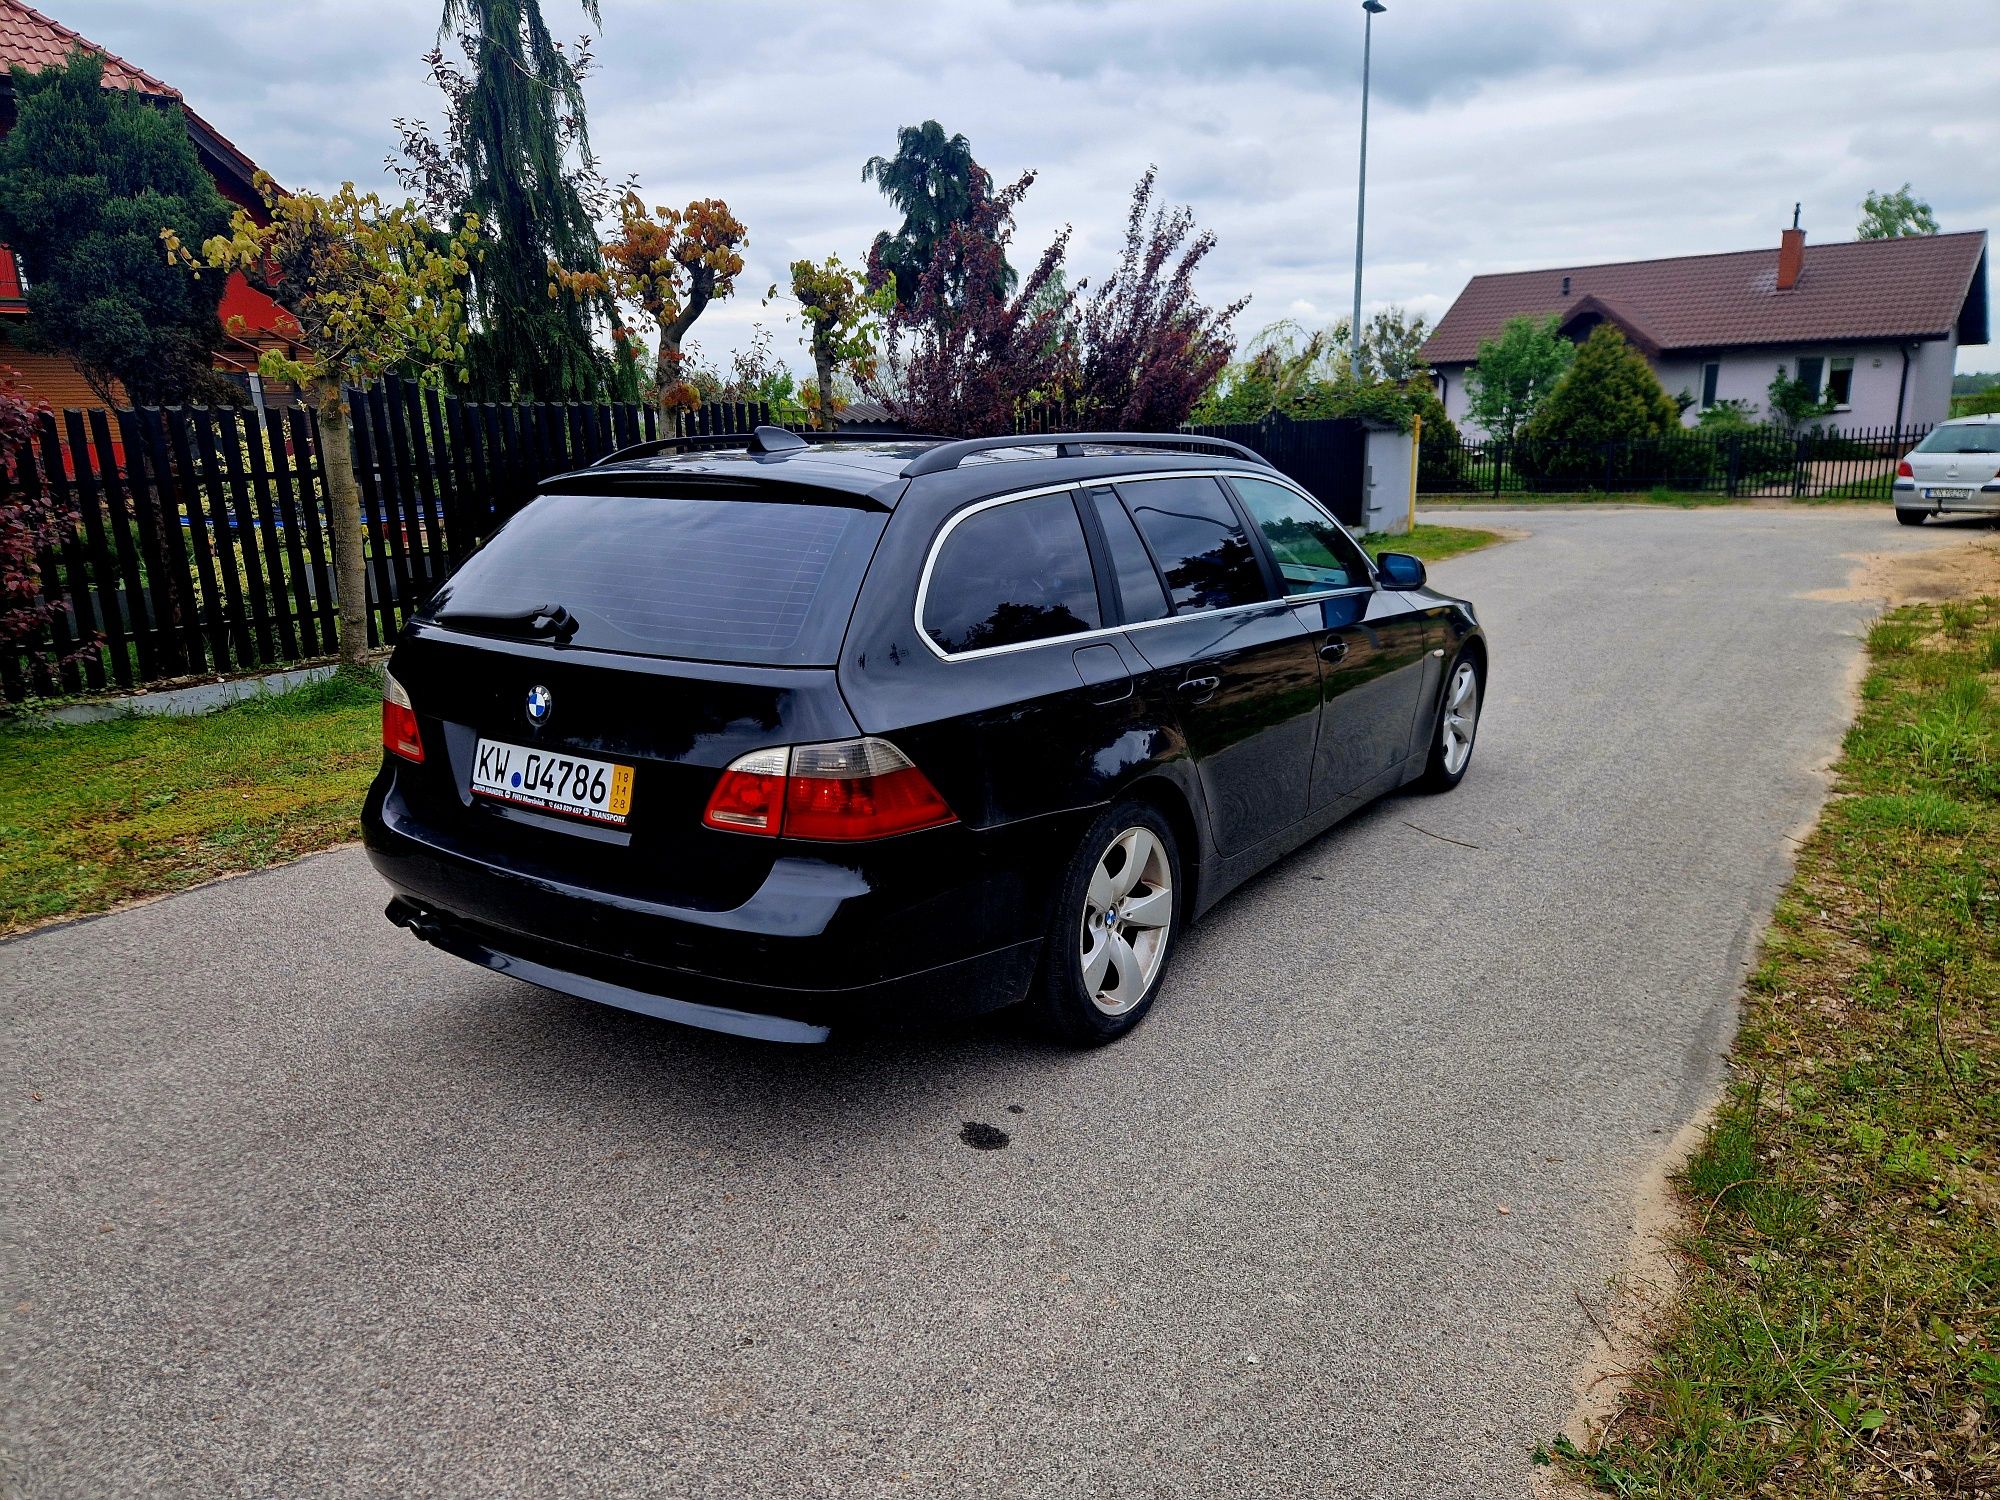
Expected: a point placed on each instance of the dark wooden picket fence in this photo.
(201, 545)
(1765, 462)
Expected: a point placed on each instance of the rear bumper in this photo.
(892, 937)
(1982, 500)
(985, 982)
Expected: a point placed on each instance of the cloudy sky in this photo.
(1504, 134)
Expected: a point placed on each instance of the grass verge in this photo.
(1684, 499)
(95, 814)
(1840, 1329)
(1432, 543)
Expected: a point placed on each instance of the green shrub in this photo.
(1726, 417)
(1605, 420)
(1793, 403)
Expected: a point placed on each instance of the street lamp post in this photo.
(1373, 8)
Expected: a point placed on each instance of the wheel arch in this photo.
(1171, 800)
(1473, 649)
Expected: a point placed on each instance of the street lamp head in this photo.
(1373, 7)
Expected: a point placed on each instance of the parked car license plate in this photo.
(1947, 494)
(596, 789)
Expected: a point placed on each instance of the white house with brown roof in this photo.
(1873, 325)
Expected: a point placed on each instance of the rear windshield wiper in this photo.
(536, 619)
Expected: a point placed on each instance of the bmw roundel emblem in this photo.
(539, 703)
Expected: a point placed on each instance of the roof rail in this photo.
(765, 439)
(948, 456)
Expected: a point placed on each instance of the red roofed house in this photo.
(1874, 325)
(31, 40)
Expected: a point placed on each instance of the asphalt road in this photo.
(291, 1205)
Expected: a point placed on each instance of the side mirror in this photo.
(1399, 570)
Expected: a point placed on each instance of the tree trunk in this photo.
(823, 365)
(343, 511)
(670, 369)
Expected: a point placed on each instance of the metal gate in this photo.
(1327, 455)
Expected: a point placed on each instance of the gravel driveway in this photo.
(292, 1205)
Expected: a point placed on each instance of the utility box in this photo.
(1388, 479)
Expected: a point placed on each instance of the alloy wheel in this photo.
(1461, 718)
(1128, 910)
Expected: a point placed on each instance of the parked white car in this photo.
(1955, 468)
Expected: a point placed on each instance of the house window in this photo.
(1840, 382)
(1812, 369)
(1711, 376)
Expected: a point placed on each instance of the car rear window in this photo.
(1968, 437)
(755, 581)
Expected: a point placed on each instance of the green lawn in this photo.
(1432, 543)
(1874, 491)
(1840, 1334)
(1660, 495)
(91, 815)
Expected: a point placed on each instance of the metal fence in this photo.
(201, 543)
(1762, 462)
(1325, 455)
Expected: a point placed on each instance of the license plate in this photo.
(1947, 494)
(568, 784)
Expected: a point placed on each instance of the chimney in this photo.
(1791, 253)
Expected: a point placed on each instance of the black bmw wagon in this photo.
(794, 735)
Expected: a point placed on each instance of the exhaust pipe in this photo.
(413, 919)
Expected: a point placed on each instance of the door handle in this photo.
(1200, 689)
(1333, 650)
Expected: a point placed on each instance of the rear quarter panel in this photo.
(1006, 737)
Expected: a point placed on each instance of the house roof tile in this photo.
(33, 41)
(1914, 287)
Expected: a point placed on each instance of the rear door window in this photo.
(1312, 552)
(1010, 574)
(754, 581)
(1200, 545)
(1139, 587)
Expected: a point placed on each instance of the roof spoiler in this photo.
(950, 455)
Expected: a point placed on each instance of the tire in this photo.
(1130, 855)
(1456, 732)
(1911, 517)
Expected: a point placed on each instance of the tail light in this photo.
(1904, 471)
(750, 797)
(839, 792)
(399, 722)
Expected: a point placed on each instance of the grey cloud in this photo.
(1504, 133)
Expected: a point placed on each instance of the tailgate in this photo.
(675, 723)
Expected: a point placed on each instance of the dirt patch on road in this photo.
(1631, 1311)
(1959, 569)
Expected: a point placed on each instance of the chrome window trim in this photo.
(1100, 632)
